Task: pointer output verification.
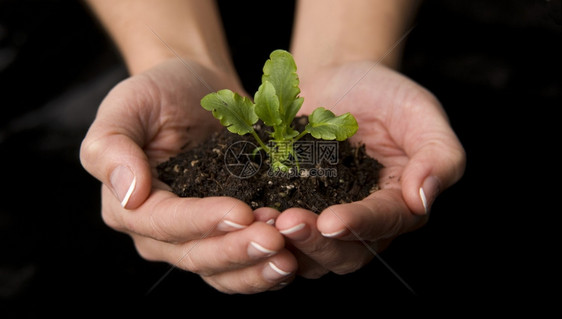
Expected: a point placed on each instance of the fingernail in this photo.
(295, 232)
(270, 221)
(293, 229)
(274, 273)
(256, 251)
(334, 234)
(227, 225)
(123, 182)
(428, 192)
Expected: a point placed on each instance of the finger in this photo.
(166, 217)
(208, 256)
(382, 215)
(436, 157)
(299, 227)
(112, 149)
(308, 267)
(120, 164)
(266, 214)
(430, 170)
(270, 274)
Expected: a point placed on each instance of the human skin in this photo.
(176, 53)
(149, 117)
(347, 53)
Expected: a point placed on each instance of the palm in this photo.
(381, 100)
(403, 126)
(143, 121)
(167, 100)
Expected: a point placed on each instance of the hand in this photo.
(404, 127)
(143, 121)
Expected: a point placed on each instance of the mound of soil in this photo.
(328, 173)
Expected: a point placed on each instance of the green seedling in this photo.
(276, 103)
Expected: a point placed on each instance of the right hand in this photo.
(143, 121)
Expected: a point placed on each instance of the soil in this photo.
(329, 172)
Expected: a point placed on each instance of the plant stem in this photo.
(298, 137)
(258, 139)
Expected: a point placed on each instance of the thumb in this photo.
(435, 166)
(119, 163)
(112, 149)
(436, 157)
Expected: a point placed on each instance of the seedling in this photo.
(276, 103)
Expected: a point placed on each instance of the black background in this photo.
(495, 66)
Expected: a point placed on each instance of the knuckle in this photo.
(85, 150)
(232, 253)
(90, 148)
(110, 220)
(319, 249)
(219, 286)
(314, 273)
(187, 262)
(395, 226)
(352, 263)
(459, 162)
(143, 249)
(195, 265)
(158, 230)
(254, 284)
(347, 267)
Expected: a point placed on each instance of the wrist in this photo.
(328, 33)
(308, 69)
(160, 50)
(150, 32)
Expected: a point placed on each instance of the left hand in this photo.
(405, 128)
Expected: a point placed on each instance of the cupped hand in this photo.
(404, 127)
(143, 121)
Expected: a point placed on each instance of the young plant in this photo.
(276, 103)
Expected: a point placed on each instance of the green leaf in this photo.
(234, 111)
(326, 125)
(281, 71)
(292, 110)
(267, 104)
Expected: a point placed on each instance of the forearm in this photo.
(191, 28)
(331, 32)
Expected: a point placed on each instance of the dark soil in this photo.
(329, 172)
